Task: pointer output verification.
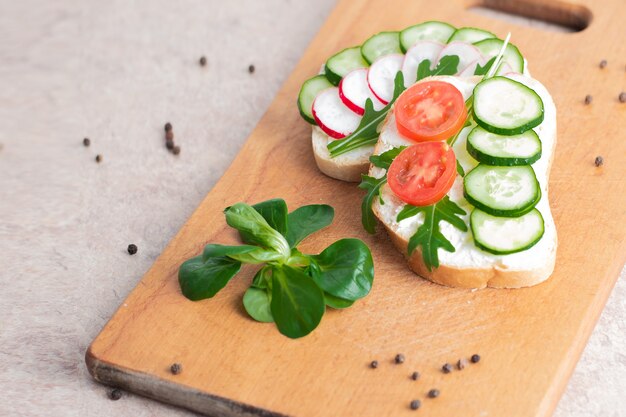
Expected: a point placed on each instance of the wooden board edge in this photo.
(170, 392)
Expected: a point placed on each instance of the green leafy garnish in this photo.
(368, 130)
(448, 65)
(291, 289)
(483, 70)
(428, 236)
(459, 169)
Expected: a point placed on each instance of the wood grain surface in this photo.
(529, 339)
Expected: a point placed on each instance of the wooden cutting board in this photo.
(529, 339)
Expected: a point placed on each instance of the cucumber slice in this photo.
(512, 56)
(309, 90)
(502, 191)
(343, 62)
(492, 149)
(428, 31)
(383, 43)
(506, 107)
(503, 235)
(470, 35)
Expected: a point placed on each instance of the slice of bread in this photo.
(346, 167)
(469, 266)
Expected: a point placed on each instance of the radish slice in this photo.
(353, 91)
(466, 52)
(415, 55)
(332, 116)
(381, 74)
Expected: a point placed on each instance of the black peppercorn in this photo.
(433, 393)
(251, 69)
(399, 358)
(98, 158)
(599, 161)
(374, 364)
(475, 358)
(447, 368)
(588, 99)
(168, 126)
(203, 61)
(415, 404)
(132, 249)
(169, 135)
(603, 63)
(415, 376)
(622, 97)
(176, 150)
(115, 394)
(86, 142)
(176, 368)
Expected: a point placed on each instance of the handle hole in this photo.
(554, 15)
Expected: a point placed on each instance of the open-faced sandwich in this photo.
(460, 139)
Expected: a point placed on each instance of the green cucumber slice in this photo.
(343, 62)
(506, 107)
(512, 56)
(470, 35)
(502, 191)
(428, 31)
(504, 235)
(309, 90)
(492, 149)
(383, 43)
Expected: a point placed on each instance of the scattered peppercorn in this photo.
(603, 63)
(115, 394)
(132, 249)
(374, 364)
(415, 404)
(447, 368)
(176, 150)
(599, 161)
(588, 99)
(169, 135)
(475, 358)
(169, 144)
(461, 364)
(251, 69)
(203, 61)
(622, 97)
(86, 142)
(415, 376)
(176, 368)
(399, 358)
(433, 393)
(98, 158)
(168, 126)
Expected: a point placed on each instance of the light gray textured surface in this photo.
(116, 71)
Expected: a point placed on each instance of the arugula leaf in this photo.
(372, 186)
(367, 132)
(448, 65)
(297, 303)
(459, 169)
(274, 212)
(385, 159)
(336, 302)
(345, 269)
(201, 277)
(428, 236)
(257, 301)
(306, 220)
(483, 70)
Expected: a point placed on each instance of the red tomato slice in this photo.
(422, 174)
(431, 110)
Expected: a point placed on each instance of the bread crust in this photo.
(341, 168)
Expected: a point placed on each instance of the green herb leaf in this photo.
(368, 130)
(244, 253)
(274, 212)
(484, 70)
(306, 220)
(448, 65)
(297, 303)
(372, 187)
(255, 230)
(345, 269)
(428, 236)
(336, 302)
(201, 277)
(263, 278)
(385, 159)
(257, 301)
(214, 250)
(459, 168)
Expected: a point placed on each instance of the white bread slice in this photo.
(346, 167)
(468, 266)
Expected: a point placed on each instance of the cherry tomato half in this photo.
(431, 110)
(423, 173)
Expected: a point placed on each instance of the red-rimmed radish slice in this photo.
(332, 116)
(381, 75)
(415, 55)
(354, 91)
(466, 52)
